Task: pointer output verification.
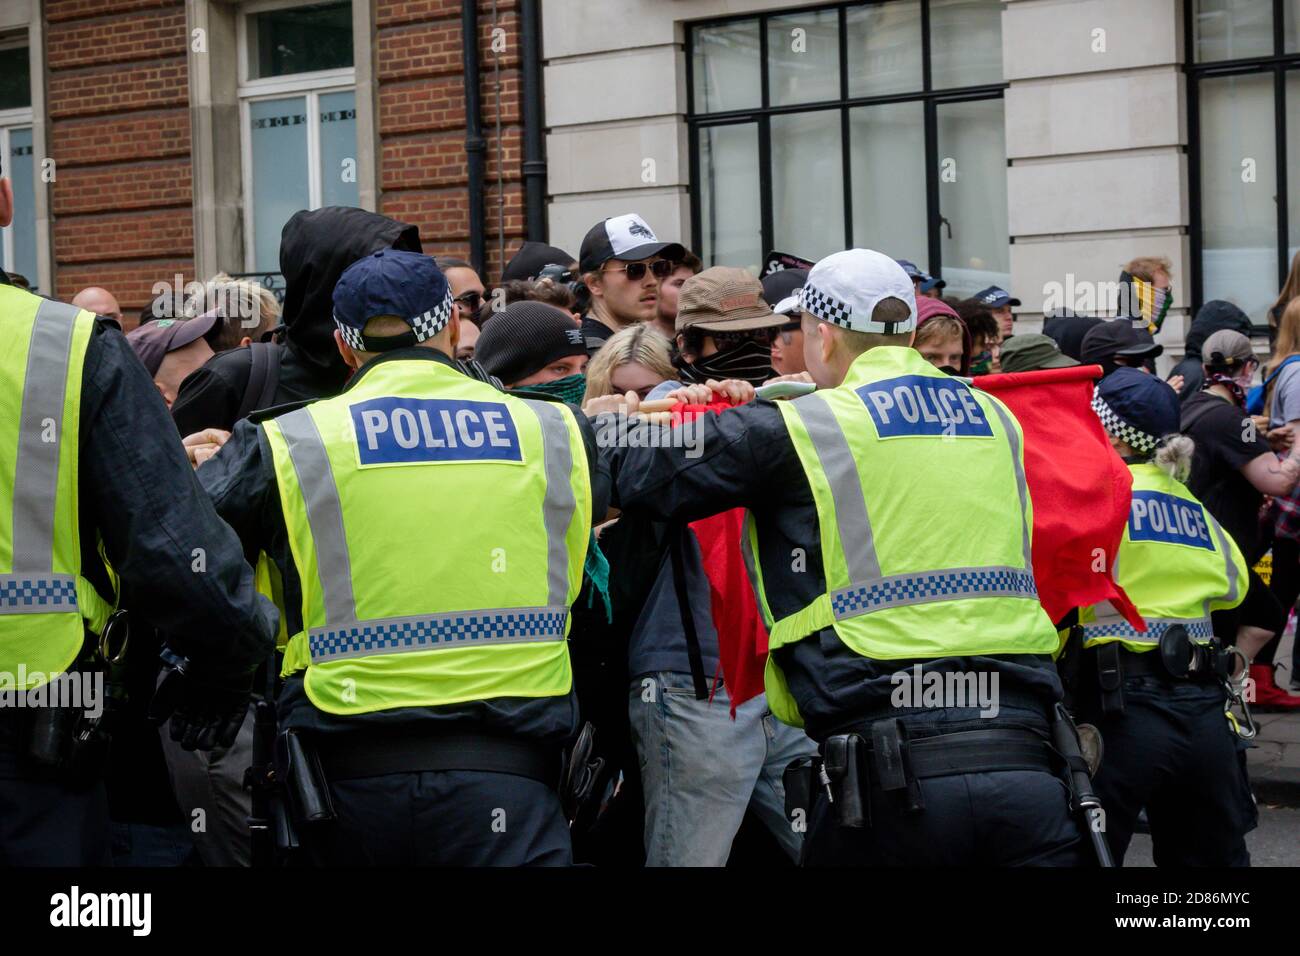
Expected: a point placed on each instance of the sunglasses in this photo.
(724, 340)
(787, 331)
(661, 268)
(471, 301)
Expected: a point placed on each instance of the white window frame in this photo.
(21, 117)
(309, 85)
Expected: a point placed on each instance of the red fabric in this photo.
(742, 636)
(1080, 488)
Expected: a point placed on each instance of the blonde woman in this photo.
(633, 360)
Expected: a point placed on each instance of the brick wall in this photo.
(120, 138)
(422, 161)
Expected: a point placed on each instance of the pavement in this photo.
(1274, 761)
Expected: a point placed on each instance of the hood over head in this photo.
(315, 247)
(1215, 316)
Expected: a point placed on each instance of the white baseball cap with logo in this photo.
(623, 237)
(844, 289)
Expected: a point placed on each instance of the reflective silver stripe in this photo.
(1198, 628)
(952, 584)
(1022, 486)
(1229, 564)
(431, 632)
(311, 464)
(558, 508)
(36, 470)
(841, 471)
(37, 593)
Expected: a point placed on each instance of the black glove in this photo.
(204, 716)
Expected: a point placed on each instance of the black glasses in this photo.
(661, 268)
(725, 340)
(472, 301)
(787, 332)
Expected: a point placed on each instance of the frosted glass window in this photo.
(726, 67)
(338, 149)
(807, 183)
(1238, 183)
(278, 140)
(20, 168)
(965, 43)
(803, 58)
(884, 48)
(1232, 29)
(730, 214)
(972, 156)
(886, 145)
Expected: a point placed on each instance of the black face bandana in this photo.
(749, 361)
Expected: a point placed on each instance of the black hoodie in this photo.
(315, 248)
(1214, 316)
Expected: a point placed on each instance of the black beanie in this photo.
(523, 338)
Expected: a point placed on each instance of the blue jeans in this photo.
(701, 770)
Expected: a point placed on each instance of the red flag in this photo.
(742, 636)
(1079, 486)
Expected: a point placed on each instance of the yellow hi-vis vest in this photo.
(1175, 563)
(439, 529)
(45, 603)
(925, 519)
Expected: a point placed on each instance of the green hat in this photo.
(1031, 351)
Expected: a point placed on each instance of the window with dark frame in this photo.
(17, 159)
(1243, 79)
(870, 124)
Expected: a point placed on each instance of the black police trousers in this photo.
(999, 818)
(46, 823)
(442, 818)
(1173, 752)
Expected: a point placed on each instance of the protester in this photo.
(622, 265)
(634, 360)
(171, 349)
(533, 345)
(1290, 289)
(779, 291)
(666, 312)
(1068, 329)
(1233, 469)
(532, 257)
(99, 301)
(1145, 291)
(1214, 316)
(1282, 402)
(1115, 344)
(725, 328)
(249, 311)
(986, 337)
(1031, 351)
(941, 337)
(466, 287)
(999, 301)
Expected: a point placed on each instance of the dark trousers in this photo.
(1001, 818)
(1173, 752)
(46, 823)
(442, 818)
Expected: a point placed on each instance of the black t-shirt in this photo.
(596, 333)
(1225, 441)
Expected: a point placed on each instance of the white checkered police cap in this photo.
(844, 289)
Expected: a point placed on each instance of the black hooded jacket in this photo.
(315, 247)
(1214, 316)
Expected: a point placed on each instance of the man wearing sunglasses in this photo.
(622, 265)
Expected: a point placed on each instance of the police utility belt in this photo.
(1176, 658)
(885, 759)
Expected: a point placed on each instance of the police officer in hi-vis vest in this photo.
(1159, 697)
(430, 532)
(890, 549)
(92, 476)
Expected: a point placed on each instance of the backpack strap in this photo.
(263, 377)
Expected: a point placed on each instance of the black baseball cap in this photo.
(782, 284)
(1117, 337)
(624, 237)
(532, 258)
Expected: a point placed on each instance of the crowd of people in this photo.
(686, 768)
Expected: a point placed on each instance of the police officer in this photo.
(427, 670)
(896, 559)
(1169, 746)
(89, 457)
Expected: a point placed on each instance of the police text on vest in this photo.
(406, 430)
(75, 908)
(1156, 516)
(924, 405)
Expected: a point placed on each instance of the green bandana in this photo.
(569, 389)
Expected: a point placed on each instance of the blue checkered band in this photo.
(424, 326)
(1198, 629)
(952, 585)
(438, 631)
(1138, 440)
(28, 594)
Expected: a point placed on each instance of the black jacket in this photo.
(745, 459)
(315, 249)
(241, 482)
